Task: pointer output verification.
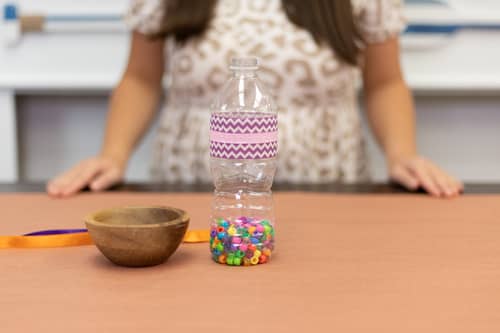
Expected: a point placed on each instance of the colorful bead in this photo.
(244, 241)
(231, 231)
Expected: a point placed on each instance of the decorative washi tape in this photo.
(243, 136)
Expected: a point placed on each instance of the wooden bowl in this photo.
(138, 236)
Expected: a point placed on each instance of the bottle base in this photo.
(244, 241)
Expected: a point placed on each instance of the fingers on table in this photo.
(450, 185)
(105, 180)
(434, 180)
(75, 179)
(404, 177)
(420, 169)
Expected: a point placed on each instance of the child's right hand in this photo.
(98, 173)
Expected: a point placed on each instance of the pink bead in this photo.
(243, 247)
(236, 240)
(260, 228)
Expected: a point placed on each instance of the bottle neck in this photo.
(243, 73)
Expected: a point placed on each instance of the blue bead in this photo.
(254, 240)
(221, 235)
(225, 224)
(216, 252)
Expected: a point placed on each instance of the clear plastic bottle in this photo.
(243, 148)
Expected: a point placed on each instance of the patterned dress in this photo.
(320, 136)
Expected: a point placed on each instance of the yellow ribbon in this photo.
(78, 239)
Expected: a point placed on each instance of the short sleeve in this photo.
(379, 20)
(146, 16)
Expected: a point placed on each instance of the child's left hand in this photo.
(417, 172)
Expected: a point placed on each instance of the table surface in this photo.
(345, 262)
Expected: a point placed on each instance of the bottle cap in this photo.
(244, 63)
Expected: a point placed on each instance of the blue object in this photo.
(56, 232)
(447, 29)
(10, 12)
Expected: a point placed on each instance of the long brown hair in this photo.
(329, 21)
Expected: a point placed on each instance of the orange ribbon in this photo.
(78, 239)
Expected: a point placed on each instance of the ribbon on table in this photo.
(74, 237)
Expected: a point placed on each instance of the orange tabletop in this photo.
(344, 263)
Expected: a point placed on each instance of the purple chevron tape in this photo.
(243, 136)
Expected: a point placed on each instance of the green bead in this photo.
(245, 234)
(265, 222)
(220, 221)
(220, 247)
(230, 259)
(237, 261)
(267, 229)
(239, 254)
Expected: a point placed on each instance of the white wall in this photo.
(462, 133)
(56, 132)
(61, 80)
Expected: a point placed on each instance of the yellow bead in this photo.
(251, 230)
(254, 260)
(231, 231)
(257, 253)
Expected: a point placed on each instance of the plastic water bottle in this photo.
(243, 148)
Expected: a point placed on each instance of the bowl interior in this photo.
(139, 216)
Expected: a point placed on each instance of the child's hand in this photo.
(416, 172)
(98, 173)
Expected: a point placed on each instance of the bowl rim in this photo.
(183, 217)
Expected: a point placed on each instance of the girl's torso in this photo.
(320, 136)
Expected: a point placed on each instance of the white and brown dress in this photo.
(320, 137)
